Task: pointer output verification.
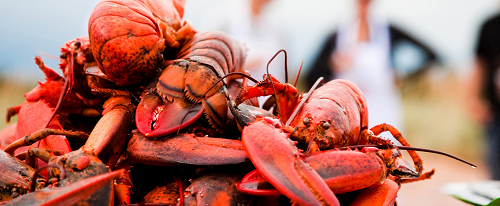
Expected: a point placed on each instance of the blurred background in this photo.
(434, 110)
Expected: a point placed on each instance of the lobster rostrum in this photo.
(129, 38)
(201, 62)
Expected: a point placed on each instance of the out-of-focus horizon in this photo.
(434, 109)
(449, 27)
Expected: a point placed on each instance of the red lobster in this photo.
(334, 115)
(129, 38)
(108, 138)
(38, 110)
(201, 63)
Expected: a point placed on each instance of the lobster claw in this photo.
(254, 183)
(184, 149)
(245, 114)
(397, 165)
(157, 118)
(66, 195)
(279, 161)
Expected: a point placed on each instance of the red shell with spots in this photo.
(127, 37)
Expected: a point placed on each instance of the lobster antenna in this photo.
(436, 152)
(68, 82)
(67, 90)
(298, 74)
(304, 99)
(134, 98)
(411, 148)
(286, 68)
(198, 99)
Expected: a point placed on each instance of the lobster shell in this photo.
(127, 37)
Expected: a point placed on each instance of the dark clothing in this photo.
(493, 148)
(321, 66)
(488, 50)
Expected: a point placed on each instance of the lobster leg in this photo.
(12, 111)
(32, 153)
(123, 188)
(108, 138)
(279, 161)
(34, 116)
(398, 136)
(39, 135)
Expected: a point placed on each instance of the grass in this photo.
(436, 116)
(12, 89)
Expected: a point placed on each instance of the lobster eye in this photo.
(326, 125)
(77, 44)
(306, 121)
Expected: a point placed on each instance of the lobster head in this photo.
(331, 122)
(395, 163)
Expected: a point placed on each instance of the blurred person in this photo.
(362, 51)
(484, 88)
(251, 24)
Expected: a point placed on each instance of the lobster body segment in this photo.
(128, 37)
(339, 104)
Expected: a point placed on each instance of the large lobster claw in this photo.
(279, 161)
(66, 195)
(184, 149)
(157, 118)
(245, 114)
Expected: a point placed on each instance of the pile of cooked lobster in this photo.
(149, 112)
